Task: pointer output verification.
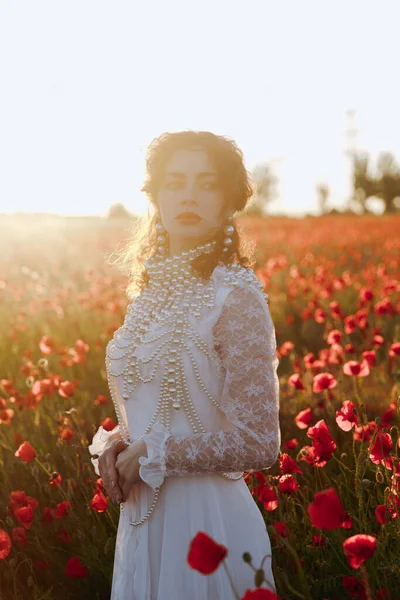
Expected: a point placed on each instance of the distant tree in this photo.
(388, 173)
(264, 191)
(118, 211)
(384, 184)
(323, 194)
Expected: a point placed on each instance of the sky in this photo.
(86, 85)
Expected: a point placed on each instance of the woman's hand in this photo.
(107, 468)
(127, 466)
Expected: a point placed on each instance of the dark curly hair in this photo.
(235, 181)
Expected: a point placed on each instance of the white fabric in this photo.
(153, 471)
(100, 439)
(240, 373)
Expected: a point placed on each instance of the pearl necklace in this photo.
(173, 291)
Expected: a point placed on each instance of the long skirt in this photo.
(150, 560)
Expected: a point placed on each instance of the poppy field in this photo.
(332, 500)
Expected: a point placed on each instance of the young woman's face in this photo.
(190, 184)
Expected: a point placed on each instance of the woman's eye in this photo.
(171, 185)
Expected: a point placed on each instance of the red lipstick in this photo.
(188, 218)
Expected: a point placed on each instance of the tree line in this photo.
(381, 183)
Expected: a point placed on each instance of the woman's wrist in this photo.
(141, 447)
(117, 443)
(144, 447)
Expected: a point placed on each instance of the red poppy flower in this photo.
(384, 514)
(25, 452)
(269, 498)
(5, 544)
(370, 357)
(205, 554)
(286, 348)
(290, 444)
(347, 521)
(356, 369)
(99, 486)
(288, 484)
(47, 345)
(358, 548)
(334, 336)
(66, 434)
(108, 424)
(288, 465)
(101, 399)
(394, 349)
(326, 511)
(61, 509)
(64, 535)
(99, 502)
(323, 381)
(295, 382)
(66, 389)
(75, 568)
(346, 417)
(24, 516)
(304, 418)
(318, 540)
(355, 587)
(387, 417)
(282, 528)
(364, 431)
(47, 515)
(381, 447)
(323, 442)
(307, 455)
(55, 480)
(17, 498)
(259, 594)
(81, 347)
(18, 535)
(6, 415)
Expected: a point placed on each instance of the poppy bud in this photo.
(366, 482)
(259, 577)
(246, 557)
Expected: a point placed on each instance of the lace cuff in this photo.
(99, 441)
(152, 470)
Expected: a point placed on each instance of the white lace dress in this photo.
(239, 371)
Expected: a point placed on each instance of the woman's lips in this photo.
(188, 218)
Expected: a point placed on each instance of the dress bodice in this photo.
(200, 366)
(203, 394)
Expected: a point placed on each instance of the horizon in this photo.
(80, 118)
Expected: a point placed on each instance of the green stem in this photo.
(230, 580)
(364, 577)
(49, 474)
(342, 465)
(299, 567)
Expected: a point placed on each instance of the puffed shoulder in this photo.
(235, 275)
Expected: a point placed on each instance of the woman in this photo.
(192, 374)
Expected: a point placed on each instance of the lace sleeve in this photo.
(245, 335)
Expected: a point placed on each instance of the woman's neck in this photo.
(177, 246)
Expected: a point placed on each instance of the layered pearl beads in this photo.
(174, 291)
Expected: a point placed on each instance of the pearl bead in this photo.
(160, 314)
